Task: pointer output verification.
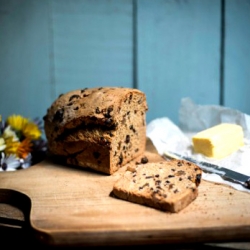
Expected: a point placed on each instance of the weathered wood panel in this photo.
(237, 55)
(170, 49)
(178, 53)
(50, 47)
(24, 58)
(93, 43)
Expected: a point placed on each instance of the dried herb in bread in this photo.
(99, 128)
(168, 185)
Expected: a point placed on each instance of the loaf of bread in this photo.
(99, 128)
(167, 185)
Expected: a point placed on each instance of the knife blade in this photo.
(225, 173)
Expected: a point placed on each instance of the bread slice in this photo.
(168, 185)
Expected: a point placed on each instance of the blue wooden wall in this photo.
(169, 49)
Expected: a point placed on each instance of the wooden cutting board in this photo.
(74, 207)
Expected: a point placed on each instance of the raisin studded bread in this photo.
(168, 185)
(99, 128)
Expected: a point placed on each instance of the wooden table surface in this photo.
(221, 212)
(15, 230)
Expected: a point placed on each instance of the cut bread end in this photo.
(169, 185)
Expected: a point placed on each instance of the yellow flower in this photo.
(17, 122)
(24, 126)
(11, 146)
(31, 131)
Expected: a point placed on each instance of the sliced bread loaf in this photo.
(100, 128)
(168, 185)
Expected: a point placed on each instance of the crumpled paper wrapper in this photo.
(168, 137)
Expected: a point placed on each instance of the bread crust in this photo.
(100, 128)
(167, 185)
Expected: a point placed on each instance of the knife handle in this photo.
(247, 183)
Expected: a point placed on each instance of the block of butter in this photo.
(219, 141)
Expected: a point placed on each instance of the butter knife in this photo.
(225, 173)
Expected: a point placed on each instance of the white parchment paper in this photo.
(167, 136)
